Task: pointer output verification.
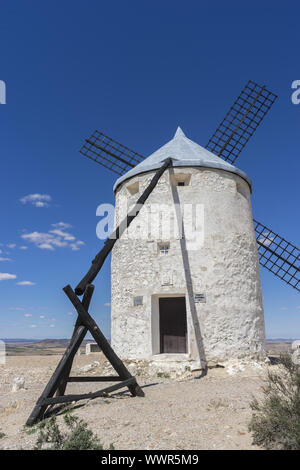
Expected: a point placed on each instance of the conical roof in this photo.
(184, 153)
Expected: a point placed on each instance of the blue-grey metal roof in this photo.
(185, 153)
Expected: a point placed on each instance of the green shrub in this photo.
(29, 430)
(164, 375)
(76, 437)
(275, 423)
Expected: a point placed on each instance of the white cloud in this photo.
(61, 225)
(45, 241)
(11, 245)
(65, 235)
(23, 247)
(52, 326)
(107, 304)
(37, 200)
(32, 326)
(5, 259)
(298, 306)
(283, 308)
(27, 315)
(26, 283)
(56, 238)
(6, 276)
(40, 204)
(36, 237)
(42, 316)
(70, 313)
(16, 308)
(75, 246)
(46, 246)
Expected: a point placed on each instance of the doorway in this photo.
(172, 325)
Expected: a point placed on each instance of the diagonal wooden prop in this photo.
(61, 376)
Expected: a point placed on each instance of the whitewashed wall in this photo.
(230, 324)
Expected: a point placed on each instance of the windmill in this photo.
(275, 253)
(218, 313)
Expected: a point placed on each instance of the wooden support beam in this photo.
(59, 373)
(84, 396)
(102, 342)
(105, 378)
(58, 382)
(77, 338)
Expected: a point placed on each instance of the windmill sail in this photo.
(278, 255)
(241, 121)
(110, 153)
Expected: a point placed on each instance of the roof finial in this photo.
(179, 133)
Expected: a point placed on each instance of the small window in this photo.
(242, 189)
(164, 249)
(180, 179)
(138, 300)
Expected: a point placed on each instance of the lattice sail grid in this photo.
(241, 121)
(278, 255)
(110, 153)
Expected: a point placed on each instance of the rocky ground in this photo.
(184, 412)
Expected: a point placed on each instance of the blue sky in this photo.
(135, 71)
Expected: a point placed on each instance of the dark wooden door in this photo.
(172, 324)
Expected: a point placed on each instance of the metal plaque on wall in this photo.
(200, 298)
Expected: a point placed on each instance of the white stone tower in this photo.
(192, 297)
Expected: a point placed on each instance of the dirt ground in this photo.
(211, 412)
